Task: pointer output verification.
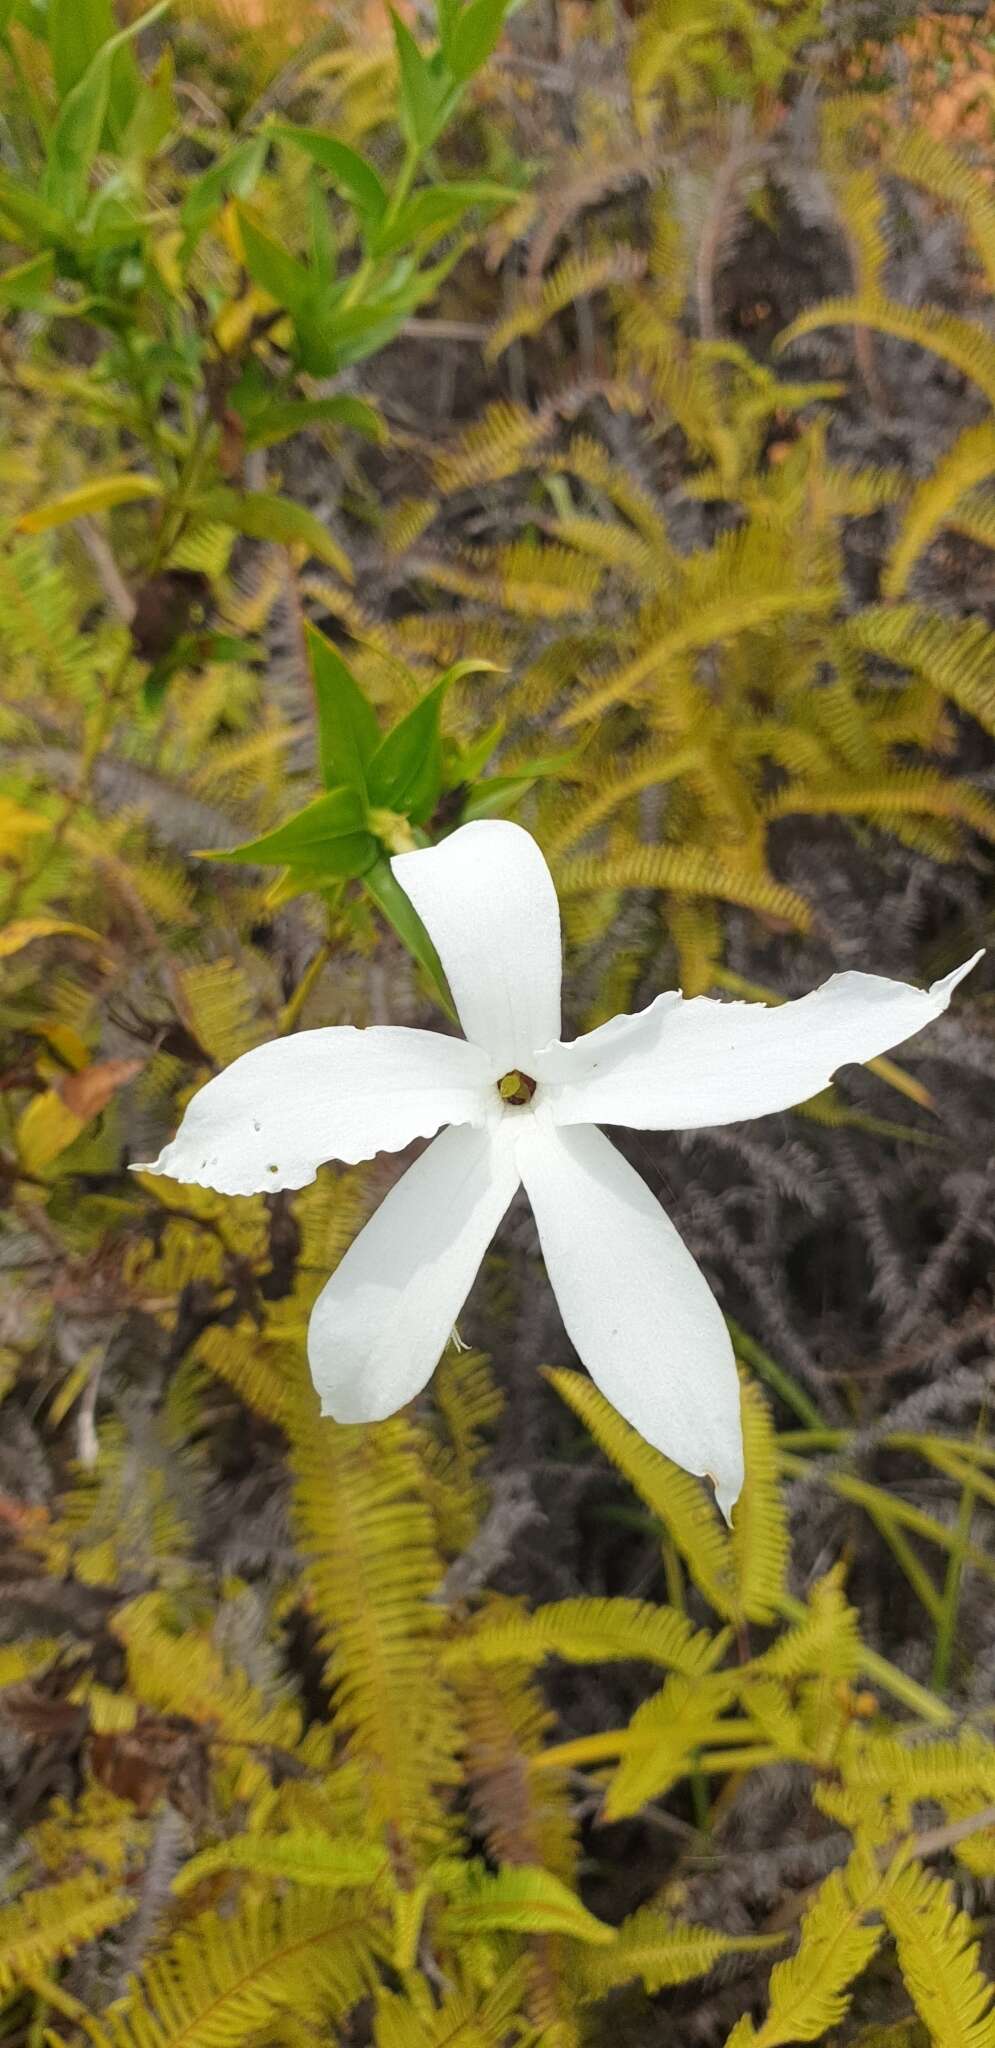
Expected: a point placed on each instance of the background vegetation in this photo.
(606, 396)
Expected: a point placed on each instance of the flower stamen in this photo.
(516, 1088)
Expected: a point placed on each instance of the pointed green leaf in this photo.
(436, 209)
(350, 171)
(324, 253)
(327, 837)
(237, 172)
(473, 36)
(275, 421)
(27, 285)
(420, 89)
(75, 137)
(348, 733)
(274, 270)
(381, 883)
(77, 30)
(262, 515)
(405, 773)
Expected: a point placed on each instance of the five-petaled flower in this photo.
(523, 1108)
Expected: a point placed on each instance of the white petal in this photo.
(379, 1327)
(637, 1310)
(271, 1118)
(487, 900)
(681, 1065)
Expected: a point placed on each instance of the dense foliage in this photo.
(587, 417)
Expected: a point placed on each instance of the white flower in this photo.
(522, 1107)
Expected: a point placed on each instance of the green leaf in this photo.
(348, 733)
(382, 885)
(77, 31)
(473, 37)
(264, 516)
(236, 172)
(274, 270)
(405, 773)
(96, 496)
(349, 171)
(27, 285)
(327, 837)
(436, 209)
(324, 254)
(155, 113)
(271, 422)
(24, 210)
(75, 137)
(422, 91)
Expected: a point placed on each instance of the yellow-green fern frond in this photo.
(370, 1540)
(934, 503)
(577, 277)
(519, 1899)
(956, 656)
(678, 1501)
(826, 1643)
(464, 2019)
(301, 1856)
(222, 1980)
(664, 1738)
(223, 1008)
(660, 1951)
(179, 1671)
(590, 1632)
(760, 1531)
(926, 160)
(496, 446)
(55, 1921)
(939, 1959)
(966, 347)
(908, 793)
(687, 871)
(811, 1992)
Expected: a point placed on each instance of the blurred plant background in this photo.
(585, 415)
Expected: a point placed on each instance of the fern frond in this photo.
(590, 1632)
(926, 160)
(825, 1643)
(183, 1673)
(662, 1951)
(222, 1980)
(519, 1899)
(908, 793)
(760, 1544)
(934, 503)
(495, 446)
(39, 616)
(464, 2019)
(664, 1738)
(646, 768)
(579, 276)
(373, 1565)
(939, 1959)
(54, 1921)
(301, 1857)
(687, 871)
(955, 656)
(223, 1008)
(811, 1992)
(678, 1501)
(965, 347)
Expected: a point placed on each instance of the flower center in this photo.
(516, 1088)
